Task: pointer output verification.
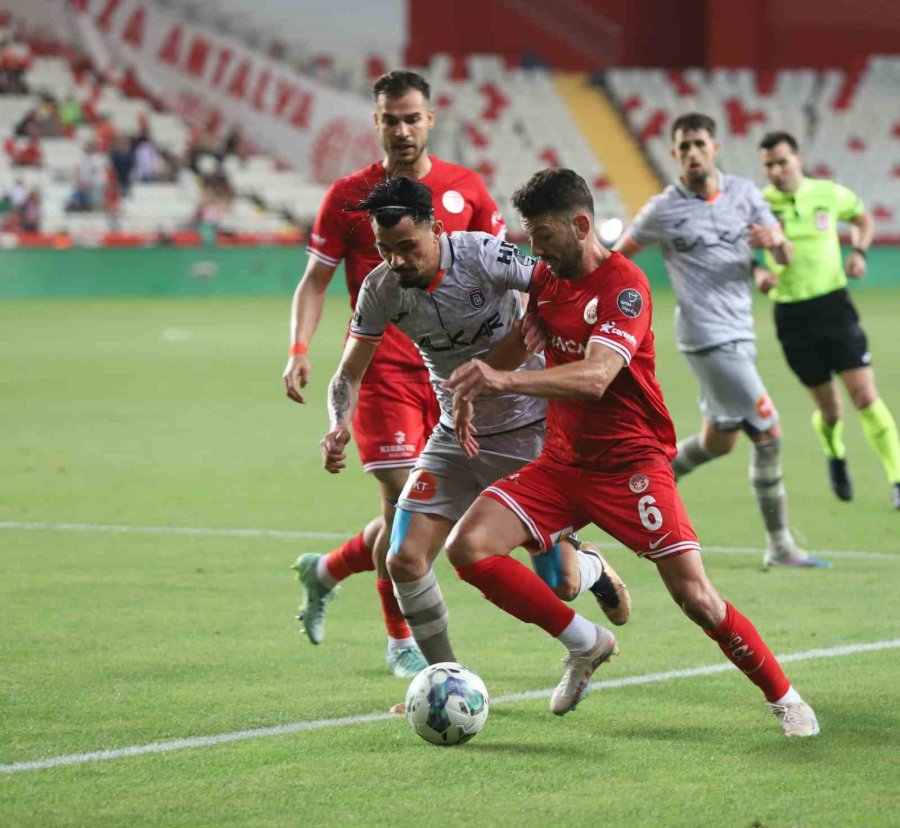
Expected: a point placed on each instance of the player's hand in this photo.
(534, 333)
(855, 266)
(474, 378)
(463, 412)
(765, 237)
(295, 376)
(765, 279)
(334, 457)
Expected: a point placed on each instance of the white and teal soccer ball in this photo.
(447, 704)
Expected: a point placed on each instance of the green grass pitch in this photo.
(171, 414)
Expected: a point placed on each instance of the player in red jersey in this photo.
(606, 456)
(397, 408)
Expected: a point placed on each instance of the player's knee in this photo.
(407, 564)
(466, 545)
(863, 398)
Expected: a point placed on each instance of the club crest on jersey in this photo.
(476, 298)
(630, 302)
(400, 437)
(453, 201)
(590, 311)
(822, 222)
(638, 483)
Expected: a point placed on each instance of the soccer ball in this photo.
(446, 704)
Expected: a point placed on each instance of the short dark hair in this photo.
(693, 121)
(773, 139)
(554, 190)
(394, 198)
(397, 83)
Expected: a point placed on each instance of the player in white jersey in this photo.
(457, 298)
(706, 224)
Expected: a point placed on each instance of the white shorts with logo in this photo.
(732, 394)
(445, 482)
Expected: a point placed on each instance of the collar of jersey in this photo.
(446, 261)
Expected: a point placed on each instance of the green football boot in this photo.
(316, 597)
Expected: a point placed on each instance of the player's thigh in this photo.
(800, 335)
(487, 528)
(845, 341)
(641, 508)
(733, 395)
(391, 424)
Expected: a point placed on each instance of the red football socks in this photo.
(744, 647)
(393, 618)
(352, 556)
(519, 591)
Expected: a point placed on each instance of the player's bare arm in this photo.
(628, 247)
(772, 239)
(588, 378)
(343, 394)
(306, 311)
(862, 229)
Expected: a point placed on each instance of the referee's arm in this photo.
(862, 229)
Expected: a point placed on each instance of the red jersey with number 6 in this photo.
(461, 202)
(611, 307)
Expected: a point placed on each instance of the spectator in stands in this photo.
(121, 157)
(47, 118)
(816, 321)
(146, 159)
(15, 58)
(70, 114)
(90, 175)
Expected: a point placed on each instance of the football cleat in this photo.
(841, 484)
(406, 662)
(316, 597)
(609, 590)
(576, 680)
(796, 557)
(796, 719)
(398, 709)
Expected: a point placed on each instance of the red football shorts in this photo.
(392, 423)
(639, 507)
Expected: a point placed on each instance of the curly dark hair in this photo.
(553, 190)
(394, 198)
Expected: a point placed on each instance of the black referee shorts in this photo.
(821, 336)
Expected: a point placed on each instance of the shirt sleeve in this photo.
(760, 211)
(328, 239)
(849, 205)
(623, 315)
(370, 316)
(506, 265)
(647, 227)
(486, 216)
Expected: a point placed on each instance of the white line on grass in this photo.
(320, 724)
(287, 534)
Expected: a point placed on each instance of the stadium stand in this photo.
(847, 121)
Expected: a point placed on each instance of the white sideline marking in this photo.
(296, 727)
(287, 534)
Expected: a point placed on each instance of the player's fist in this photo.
(765, 237)
(334, 444)
(295, 376)
(765, 279)
(855, 266)
(534, 333)
(474, 378)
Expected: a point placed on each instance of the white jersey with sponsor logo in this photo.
(469, 307)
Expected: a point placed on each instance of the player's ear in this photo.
(429, 118)
(437, 228)
(582, 224)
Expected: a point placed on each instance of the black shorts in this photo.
(821, 336)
